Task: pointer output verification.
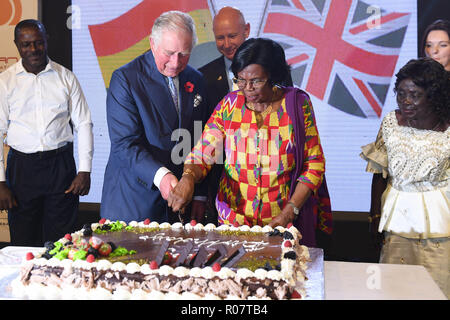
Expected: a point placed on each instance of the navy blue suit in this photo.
(141, 117)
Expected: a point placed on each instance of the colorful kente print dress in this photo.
(254, 187)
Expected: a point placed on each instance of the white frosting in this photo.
(153, 224)
(305, 252)
(121, 294)
(256, 298)
(156, 295)
(133, 224)
(210, 227)
(260, 274)
(256, 229)
(165, 270)
(196, 272)
(177, 225)
(35, 291)
(199, 227)
(223, 227)
(53, 262)
(118, 266)
(208, 273)
(165, 225)
(52, 293)
(103, 264)
(39, 261)
(225, 273)
(133, 267)
(181, 272)
(172, 296)
(231, 297)
(244, 273)
(190, 296)
(210, 296)
(274, 275)
(138, 294)
(100, 293)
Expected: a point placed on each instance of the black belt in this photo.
(44, 154)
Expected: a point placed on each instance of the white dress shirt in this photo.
(36, 112)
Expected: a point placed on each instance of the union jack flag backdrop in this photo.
(335, 54)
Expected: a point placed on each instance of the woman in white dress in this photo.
(410, 164)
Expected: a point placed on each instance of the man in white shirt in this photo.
(41, 103)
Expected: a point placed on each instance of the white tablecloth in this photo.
(372, 281)
(342, 280)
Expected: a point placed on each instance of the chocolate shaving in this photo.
(200, 257)
(219, 254)
(162, 251)
(234, 257)
(184, 253)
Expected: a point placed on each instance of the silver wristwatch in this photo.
(296, 210)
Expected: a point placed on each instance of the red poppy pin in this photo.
(189, 86)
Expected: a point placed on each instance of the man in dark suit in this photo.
(152, 105)
(230, 31)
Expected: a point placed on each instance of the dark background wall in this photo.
(54, 16)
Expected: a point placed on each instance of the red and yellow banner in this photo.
(122, 39)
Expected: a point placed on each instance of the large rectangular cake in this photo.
(115, 260)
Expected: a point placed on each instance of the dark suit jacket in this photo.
(141, 118)
(216, 81)
(217, 86)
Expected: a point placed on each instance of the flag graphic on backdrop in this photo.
(337, 53)
(118, 41)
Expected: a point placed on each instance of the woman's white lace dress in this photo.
(416, 202)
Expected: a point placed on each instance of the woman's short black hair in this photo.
(267, 53)
(432, 77)
(440, 24)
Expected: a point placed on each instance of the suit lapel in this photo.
(160, 92)
(222, 76)
(187, 99)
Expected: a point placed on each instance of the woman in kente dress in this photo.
(410, 164)
(274, 165)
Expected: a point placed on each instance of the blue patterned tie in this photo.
(173, 91)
